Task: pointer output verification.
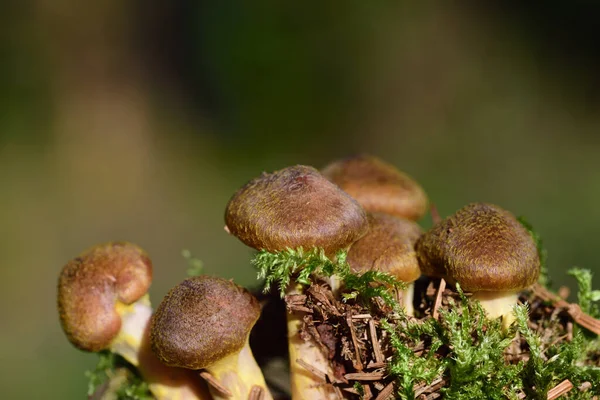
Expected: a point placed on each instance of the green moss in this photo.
(463, 348)
(586, 296)
(116, 378)
(301, 266)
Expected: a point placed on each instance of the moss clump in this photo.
(114, 378)
(460, 354)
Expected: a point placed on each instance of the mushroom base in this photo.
(305, 386)
(408, 295)
(498, 304)
(133, 345)
(238, 373)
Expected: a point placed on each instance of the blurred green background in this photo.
(138, 120)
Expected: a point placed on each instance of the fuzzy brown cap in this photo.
(202, 320)
(378, 186)
(389, 246)
(482, 247)
(89, 287)
(295, 207)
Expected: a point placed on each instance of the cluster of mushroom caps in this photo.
(361, 205)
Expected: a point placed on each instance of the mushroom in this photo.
(204, 323)
(389, 247)
(103, 305)
(378, 186)
(292, 208)
(487, 251)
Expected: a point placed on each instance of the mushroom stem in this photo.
(132, 344)
(239, 373)
(408, 295)
(305, 385)
(498, 304)
(334, 283)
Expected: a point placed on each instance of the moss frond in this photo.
(408, 368)
(547, 366)
(116, 376)
(586, 296)
(476, 364)
(281, 267)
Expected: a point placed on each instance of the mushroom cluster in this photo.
(359, 213)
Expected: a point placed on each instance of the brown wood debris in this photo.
(352, 337)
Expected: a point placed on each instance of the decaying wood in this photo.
(560, 389)
(215, 384)
(438, 299)
(359, 349)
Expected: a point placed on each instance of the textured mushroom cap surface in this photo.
(378, 186)
(202, 320)
(389, 246)
(482, 247)
(295, 207)
(90, 286)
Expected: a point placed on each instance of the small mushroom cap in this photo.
(389, 246)
(482, 247)
(201, 321)
(90, 286)
(378, 186)
(295, 207)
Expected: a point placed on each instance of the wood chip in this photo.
(357, 363)
(379, 358)
(564, 292)
(338, 393)
(368, 394)
(386, 392)
(212, 381)
(560, 389)
(434, 386)
(322, 295)
(256, 393)
(351, 390)
(569, 331)
(438, 299)
(364, 376)
(376, 365)
(315, 371)
(583, 319)
(362, 316)
(435, 215)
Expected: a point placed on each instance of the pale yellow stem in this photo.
(133, 344)
(408, 295)
(498, 304)
(305, 385)
(239, 373)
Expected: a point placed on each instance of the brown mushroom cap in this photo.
(389, 246)
(201, 321)
(482, 247)
(378, 186)
(90, 286)
(294, 207)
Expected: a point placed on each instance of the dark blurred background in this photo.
(138, 120)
